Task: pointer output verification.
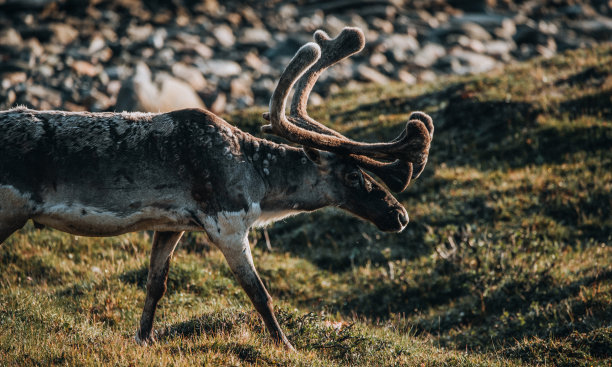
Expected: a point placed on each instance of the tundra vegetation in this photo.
(506, 261)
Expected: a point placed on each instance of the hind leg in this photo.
(8, 227)
(15, 210)
(161, 253)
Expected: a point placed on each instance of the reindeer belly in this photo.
(87, 214)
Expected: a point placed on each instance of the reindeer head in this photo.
(343, 160)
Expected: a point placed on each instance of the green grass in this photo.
(506, 261)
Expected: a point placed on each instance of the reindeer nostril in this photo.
(403, 218)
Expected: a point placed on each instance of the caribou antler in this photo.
(408, 151)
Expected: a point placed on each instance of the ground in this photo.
(506, 261)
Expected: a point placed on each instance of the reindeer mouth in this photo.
(393, 222)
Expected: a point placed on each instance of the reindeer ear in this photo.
(313, 154)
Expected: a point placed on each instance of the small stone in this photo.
(403, 42)
(35, 47)
(406, 77)
(499, 48)
(97, 43)
(241, 86)
(224, 35)
(64, 33)
(507, 29)
(475, 31)
(377, 59)
(428, 55)
(218, 106)
(85, 68)
(220, 68)
(139, 33)
(13, 78)
(10, 37)
(258, 37)
(176, 94)
(190, 74)
(203, 50)
(371, 75)
(254, 62)
(315, 99)
(50, 96)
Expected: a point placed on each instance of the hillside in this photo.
(506, 261)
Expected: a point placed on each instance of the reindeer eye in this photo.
(353, 178)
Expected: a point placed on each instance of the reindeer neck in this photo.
(293, 182)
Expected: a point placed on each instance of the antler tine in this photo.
(347, 43)
(304, 58)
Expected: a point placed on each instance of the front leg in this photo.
(238, 256)
(164, 244)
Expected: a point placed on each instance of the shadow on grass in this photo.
(520, 306)
(180, 279)
(492, 132)
(213, 323)
(598, 104)
(245, 352)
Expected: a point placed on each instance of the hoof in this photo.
(142, 341)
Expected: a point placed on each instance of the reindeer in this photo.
(105, 174)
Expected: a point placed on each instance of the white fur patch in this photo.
(90, 221)
(13, 201)
(268, 217)
(231, 227)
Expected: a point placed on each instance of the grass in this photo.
(506, 261)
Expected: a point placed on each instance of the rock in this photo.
(96, 44)
(190, 74)
(475, 31)
(49, 98)
(10, 37)
(203, 50)
(139, 33)
(258, 37)
(427, 76)
(383, 25)
(377, 59)
(397, 46)
(63, 33)
(507, 29)
(35, 47)
(220, 68)
(139, 93)
(241, 87)
(428, 55)
(371, 75)
(254, 62)
(463, 62)
(85, 68)
(218, 106)
(499, 49)
(176, 94)
(406, 77)
(600, 28)
(404, 42)
(224, 35)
